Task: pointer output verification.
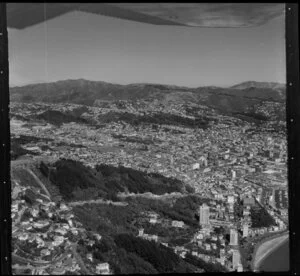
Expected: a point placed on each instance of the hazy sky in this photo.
(82, 45)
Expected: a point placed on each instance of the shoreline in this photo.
(265, 248)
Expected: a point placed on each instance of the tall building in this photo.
(235, 259)
(222, 253)
(245, 230)
(204, 214)
(233, 174)
(233, 237)
(141, 232)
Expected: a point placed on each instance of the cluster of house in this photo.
(180, 156)
(50, 230)
(147, 236)
(154, 218)
(220, 213)
(101, 268)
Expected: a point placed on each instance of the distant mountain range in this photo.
(271, 85)
(238, 98)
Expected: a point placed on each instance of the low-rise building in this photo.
(103, 268)
(176, 223)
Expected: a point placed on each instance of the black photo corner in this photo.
(292, 120)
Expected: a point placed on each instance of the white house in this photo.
(196, 166)
(102, 268)
(176, 223)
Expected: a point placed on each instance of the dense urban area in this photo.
(178, 181)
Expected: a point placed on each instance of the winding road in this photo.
(39, 182)
(96, 201)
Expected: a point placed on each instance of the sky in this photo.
(79, 45)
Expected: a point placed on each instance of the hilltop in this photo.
(256, 84)
(75, 181)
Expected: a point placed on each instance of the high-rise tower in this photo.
(233, 237)
(204, 214)
(236, 259)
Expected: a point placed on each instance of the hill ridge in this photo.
(257, 84)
